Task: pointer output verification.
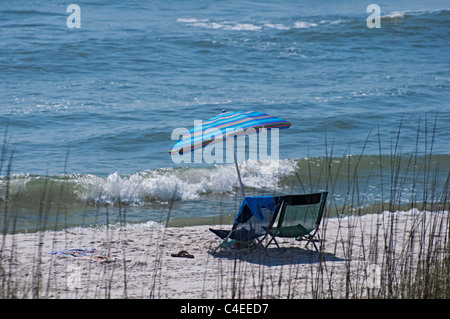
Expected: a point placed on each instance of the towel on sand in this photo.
(85, 253)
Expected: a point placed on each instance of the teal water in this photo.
(87, 114)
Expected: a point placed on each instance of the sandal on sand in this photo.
(184, 254)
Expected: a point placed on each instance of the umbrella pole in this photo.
(237, 167)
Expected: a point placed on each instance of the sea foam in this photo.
(187, 183)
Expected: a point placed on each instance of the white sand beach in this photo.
(138, 261)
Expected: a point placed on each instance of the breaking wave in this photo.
(306, 22)
(238, 26)
(141, 188)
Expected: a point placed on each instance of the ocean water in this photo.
(87, 114)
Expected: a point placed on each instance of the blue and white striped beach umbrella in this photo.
(227, 125)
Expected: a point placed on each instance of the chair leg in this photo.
(270, 241)
(259, 242)
(312, 240)
(276, 243)
(218, 246)
(221, 242)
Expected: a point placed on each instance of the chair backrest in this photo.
(305, 210)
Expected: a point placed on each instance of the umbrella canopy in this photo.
(228, 123)
(224, 125)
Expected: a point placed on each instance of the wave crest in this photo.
(141, 188)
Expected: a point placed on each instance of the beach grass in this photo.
(398, 248)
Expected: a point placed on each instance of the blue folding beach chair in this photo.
(255, 216)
